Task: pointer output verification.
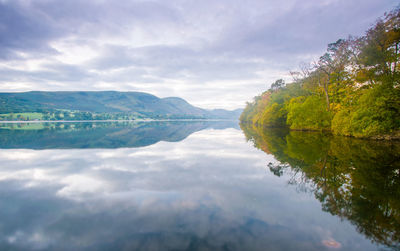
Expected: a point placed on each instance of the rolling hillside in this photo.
(107, 102)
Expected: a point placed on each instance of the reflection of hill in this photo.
(102, 135)
(354, 179)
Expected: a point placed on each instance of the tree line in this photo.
(353, 89)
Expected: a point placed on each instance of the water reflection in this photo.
(357, 180)
(209, 191)
(100, 134)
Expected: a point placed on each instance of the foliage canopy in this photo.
(353, 89)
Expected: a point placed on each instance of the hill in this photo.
(138, 104)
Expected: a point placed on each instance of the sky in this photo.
(213, 53)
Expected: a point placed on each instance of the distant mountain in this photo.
(221, 113)
(140, 103)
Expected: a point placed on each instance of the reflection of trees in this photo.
(354, 179)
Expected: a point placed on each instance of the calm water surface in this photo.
(194, 186)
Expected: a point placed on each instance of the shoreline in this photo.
(395, 136)
(110, 120)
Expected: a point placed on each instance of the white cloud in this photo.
(198, 50)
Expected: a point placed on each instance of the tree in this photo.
(380, 49)
(278, 84)
(353, 89)
(331, 66)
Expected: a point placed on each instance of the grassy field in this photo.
(25, 115)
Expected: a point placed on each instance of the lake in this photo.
(201, 185)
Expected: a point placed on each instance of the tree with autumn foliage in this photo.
(353, 89)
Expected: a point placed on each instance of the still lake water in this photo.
(194, 186)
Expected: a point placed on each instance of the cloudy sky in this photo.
(213, 53)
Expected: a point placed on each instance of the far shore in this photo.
(109, 120)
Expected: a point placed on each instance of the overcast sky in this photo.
(213, 53)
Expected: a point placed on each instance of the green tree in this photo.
(308, 113)
(380, 50)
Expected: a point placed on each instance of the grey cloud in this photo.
(304, 28)
(53, 72)
(24, 30)
(138, 43)
(178, 62)
(30, 26)
(107, 11)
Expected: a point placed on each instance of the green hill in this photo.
(138, 103)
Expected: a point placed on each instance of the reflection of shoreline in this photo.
(354, 179)
(109, 120)
(110, 134)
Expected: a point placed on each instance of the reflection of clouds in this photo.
(31, 177)
(36, 240)
(99, 170)
(209, 190)
(76, 185)
(18, 155)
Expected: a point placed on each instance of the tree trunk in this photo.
(325, 86)
(327, 97)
